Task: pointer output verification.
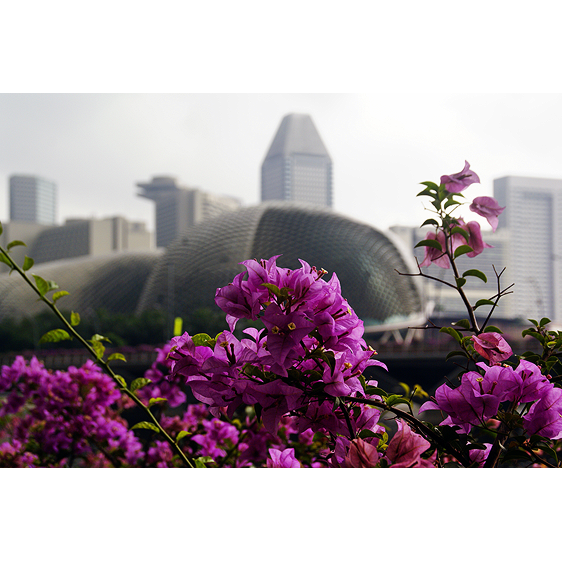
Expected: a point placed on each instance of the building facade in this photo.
(297, 166)
(178, 208)
(533, 216)
(33, 199)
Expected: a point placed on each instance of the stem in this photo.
(105, 366)
(429, 433)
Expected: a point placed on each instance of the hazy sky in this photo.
(97, 146)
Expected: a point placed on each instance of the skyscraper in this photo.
(178, 208)
(533, 215)
(32, 199)
(297, 166)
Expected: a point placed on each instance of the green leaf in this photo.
(492, 329)
(483, 302)
(59, 294)
(431, 222)
(475, 273)
(450, 202)
(544, 322)
(42, 285)
(98, 347)
(157, 400)
(116, 357)
(461, 250)
(451, 332)
(201, 339)
(460, 281)
(464, 323)
(14, 244)
(432, 243)
(74, 318)
(5, 260)
(55, 336)
(121, 381)
(430, 185)
(182, 435)
(139, 383)
(97, 337)
(146, 425)
(27, 263)
(394, 399)
(457, 353)
(370, 390)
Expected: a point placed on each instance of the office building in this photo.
(178, 208)
(32, 199)
(533, 216)
(297, 166)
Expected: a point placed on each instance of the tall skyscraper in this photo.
(32, 199)
(178, 208)
(533, 215)
(297, 167)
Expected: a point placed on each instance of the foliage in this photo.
(288, 389)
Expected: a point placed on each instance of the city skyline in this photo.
(95, 147)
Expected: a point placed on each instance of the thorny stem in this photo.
(103, 364)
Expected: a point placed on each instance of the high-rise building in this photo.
(297, 166)
(533, 216)
(178, 208)
(32, 199)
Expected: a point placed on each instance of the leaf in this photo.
(432, 243)
(97, 337)
(5, 260)
(431, 185)
(121, 381)
(457, 353)
(146, 425)
(14, 244)
(483, 302)
(464, 323)
(460, 281)
(157, 400)
(55, 335)
(98, 347)
(59, 294)
(42, 285)
(544, 322)
(182, 435)
(200, 339)
(492, 329)
(27, 263)
(431, 222)
(139, 383)
(475, 273)
(461, 250)
(451, 332)
(116, 357)
(74, 318)
(394, 399)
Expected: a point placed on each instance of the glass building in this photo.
(32, 199)
(297, 166)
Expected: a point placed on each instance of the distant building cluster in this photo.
(200, 235)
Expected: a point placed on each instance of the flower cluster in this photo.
(455, 232)
(310, 352)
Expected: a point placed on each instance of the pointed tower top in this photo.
(297, 134)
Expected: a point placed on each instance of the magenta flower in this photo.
(282, 459)
(460, 181)
(545, 416)
(492, 347)
(406, 447)
(361, 455)
(488, 208)
(434, 255)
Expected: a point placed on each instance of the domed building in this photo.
(366, 261)
(185, 276)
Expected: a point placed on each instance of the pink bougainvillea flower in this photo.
(282, 459)
(361, 455)
(459, 182)
(488, 208)
(492, 347)
(545, 416)
(434, 255)
(406, 447)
